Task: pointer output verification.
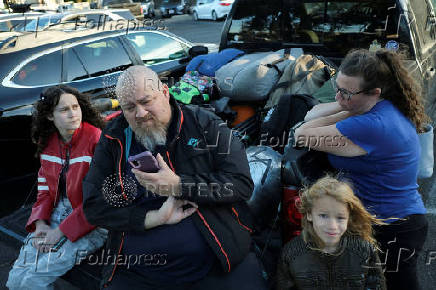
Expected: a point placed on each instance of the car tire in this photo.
(214, 16)
(195, 16)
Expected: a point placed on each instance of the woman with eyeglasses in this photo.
(65, 129)
(370, 135)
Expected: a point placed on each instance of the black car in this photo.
(89, 60)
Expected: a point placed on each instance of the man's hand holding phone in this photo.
(164, 182)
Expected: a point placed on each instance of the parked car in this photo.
(148, 7)
(169, 8)
(211, 9)
(89, 60)
(135, 8)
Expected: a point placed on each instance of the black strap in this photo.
(286, 55)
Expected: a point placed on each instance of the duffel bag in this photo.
(304, 76)
(252, 76)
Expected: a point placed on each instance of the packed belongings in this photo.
(208, 64)
(188, 94)
(304, 76)
(265, 169)
(290, 110)
(252, 76)
(265, 164)
(194, 88)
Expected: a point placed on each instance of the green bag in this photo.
(188, 94)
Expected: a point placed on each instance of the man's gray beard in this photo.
(151, 137)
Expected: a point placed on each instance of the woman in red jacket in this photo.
(65, 129)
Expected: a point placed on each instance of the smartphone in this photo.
(145, 162)
(59, 244)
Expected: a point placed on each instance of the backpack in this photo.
(304, 76)
(290, 110)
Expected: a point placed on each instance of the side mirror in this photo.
(198, 50)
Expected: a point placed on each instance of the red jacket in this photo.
(82, 147)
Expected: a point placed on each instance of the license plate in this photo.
(171, 11)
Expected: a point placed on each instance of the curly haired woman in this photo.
(376, 116)
(65, 129)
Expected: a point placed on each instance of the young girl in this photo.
(66, 130)
(336, 249)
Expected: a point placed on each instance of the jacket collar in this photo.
(341, 247)
(77, 135)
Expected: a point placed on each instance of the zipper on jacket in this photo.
(116, 261)
(67, 159)
(119, 165)
(239, 221)
(216, 239)
(171, 164)
(125, 197)
(206, 224)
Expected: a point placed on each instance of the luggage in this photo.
(304, 76)
(252, 76)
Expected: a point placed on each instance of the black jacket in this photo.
(355, 266)
(202, 150)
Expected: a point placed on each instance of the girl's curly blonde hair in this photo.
(360, 220)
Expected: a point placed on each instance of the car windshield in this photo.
(335, 25)
(42, 22)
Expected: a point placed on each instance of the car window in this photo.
(42, 22)
(30, 74)
(338, 25)
(103, 56)
(75, 69)
(154, 48)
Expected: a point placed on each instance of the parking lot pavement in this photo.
(427, 261)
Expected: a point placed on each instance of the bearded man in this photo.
(186, 226)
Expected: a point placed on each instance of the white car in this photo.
(211, 9)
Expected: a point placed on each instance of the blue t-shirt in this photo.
(167, 254)
(385, 179)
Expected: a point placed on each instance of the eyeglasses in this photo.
(345, 93)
